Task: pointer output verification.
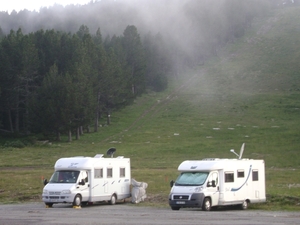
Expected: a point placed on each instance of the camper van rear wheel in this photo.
(113, 200)
(244, 206)
(206, 205)
(77, 200)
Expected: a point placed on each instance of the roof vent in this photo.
(110, 152)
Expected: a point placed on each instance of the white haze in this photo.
(35, 5)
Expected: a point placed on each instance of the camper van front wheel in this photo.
(206, 205)
(113, 200)
(49, 205)
(77, 200)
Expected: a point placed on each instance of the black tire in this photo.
(113, 200)
(244, 205)
(175, 208)
(49, 205)
(206, 204)
(77, 200)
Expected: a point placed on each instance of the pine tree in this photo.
(11, 80)
(30, 62)
(135, 58)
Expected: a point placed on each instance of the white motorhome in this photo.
(78, 180)
(215, 182)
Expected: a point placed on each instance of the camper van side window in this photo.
(255, 175)
(229, 177)
(85, 176)
(99, 173)
(109, 172)
(240, 173)
(122, 172)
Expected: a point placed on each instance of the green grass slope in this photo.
(249, 93)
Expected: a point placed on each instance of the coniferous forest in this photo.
(62, 68)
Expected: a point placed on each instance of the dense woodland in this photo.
(63, 67)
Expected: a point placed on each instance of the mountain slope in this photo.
(249, 93)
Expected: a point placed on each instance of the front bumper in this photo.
(57, 198)
(194, 200)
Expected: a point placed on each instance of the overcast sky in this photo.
(10, 5)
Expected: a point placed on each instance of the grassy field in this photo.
(248, 94)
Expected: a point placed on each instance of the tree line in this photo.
(54, 82)
(60, 79)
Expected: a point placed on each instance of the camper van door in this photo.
(213, 187)
(84, 185)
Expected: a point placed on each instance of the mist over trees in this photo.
(63, 67)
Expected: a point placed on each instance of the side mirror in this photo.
(82, 182)
(172, 183)
(209, 184)
(45, 181)
(214, 183)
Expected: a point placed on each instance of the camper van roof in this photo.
(208, 164)
(218, 159)
(86, 163)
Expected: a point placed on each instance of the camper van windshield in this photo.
(191, 179)
(64, 177)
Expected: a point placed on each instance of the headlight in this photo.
(198, 189)
(45, 192)
(66, 192)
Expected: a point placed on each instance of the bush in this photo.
(14, 144)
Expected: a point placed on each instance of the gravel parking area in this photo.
(127, 213)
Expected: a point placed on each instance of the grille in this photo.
(54, 192)
(180, 197)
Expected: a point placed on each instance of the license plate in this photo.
(180, 202)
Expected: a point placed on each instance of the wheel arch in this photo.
(74, 199)
(113, 198)
(205, 206)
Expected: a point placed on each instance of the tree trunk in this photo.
(70, 136)
(10, 121)
(26, 114)
(58, 138)
(97, 113)
(77, 133)
(26, 122)
(108, 118)
(96, 122)
(17, 121)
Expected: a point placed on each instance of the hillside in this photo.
(253, 84)
(248, 94)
